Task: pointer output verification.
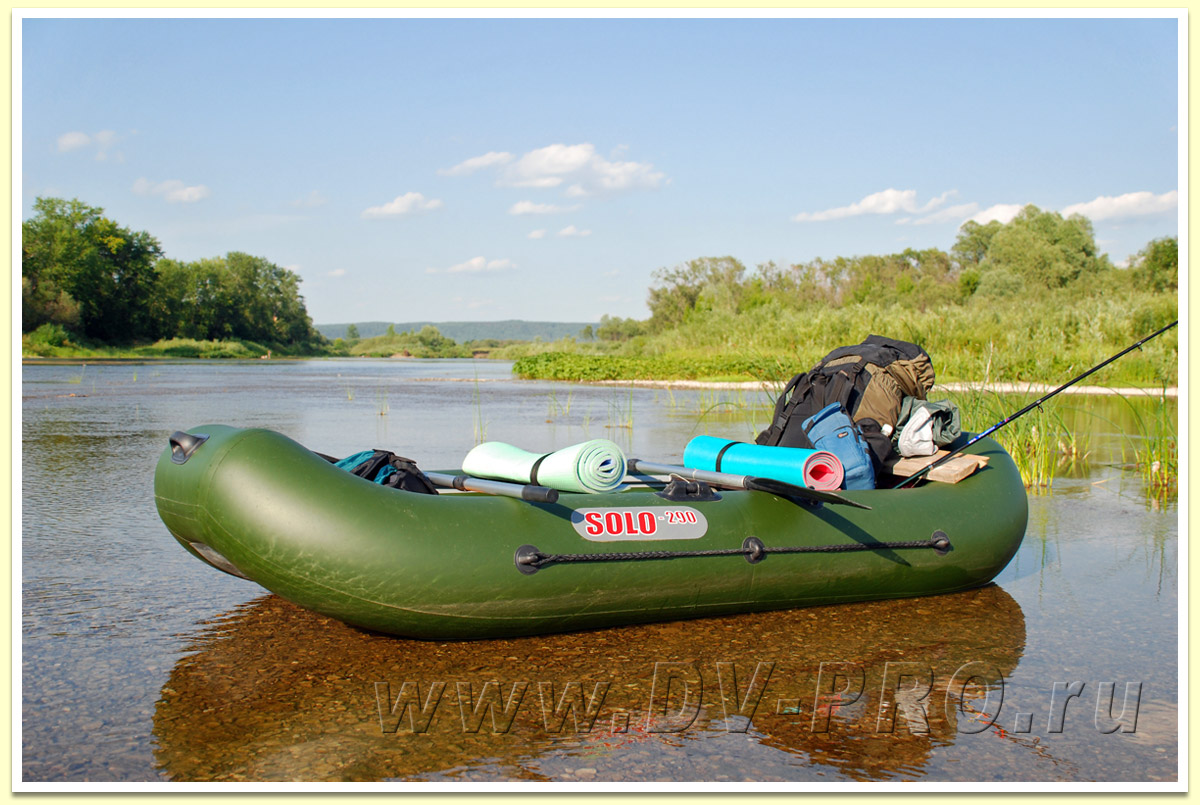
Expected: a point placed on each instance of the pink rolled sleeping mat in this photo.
(816, 469)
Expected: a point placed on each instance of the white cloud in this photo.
(588, 172)
(938, 201)
(998, 212)
(105, 140)
(573, 232)
(310, 200)
(955, 214)
(885, 202)
(407, 204)
(173, 190)
(337, 272)
(1130, 205)
(533, 208)
(468, 166)
(72, 140)
(614, 176)
(475, 265)
(547, 167)
(102, 140)
(537, 234)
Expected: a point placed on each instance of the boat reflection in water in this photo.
(864, 691)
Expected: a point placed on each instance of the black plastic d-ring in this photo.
(941, 543)
(526, 559)
(754, 550)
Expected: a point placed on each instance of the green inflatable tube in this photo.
(259, 505)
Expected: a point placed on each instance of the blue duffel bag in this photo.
(832, 429)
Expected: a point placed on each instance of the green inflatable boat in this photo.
(257, 504)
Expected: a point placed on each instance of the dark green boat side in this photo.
(258, 504)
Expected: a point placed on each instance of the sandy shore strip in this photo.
(999, 388)
(1043, 388)
(774, 388)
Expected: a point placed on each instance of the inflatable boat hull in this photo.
(257, 504)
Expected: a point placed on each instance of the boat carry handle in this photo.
(183, 444)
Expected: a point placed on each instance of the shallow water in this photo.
(141, 664)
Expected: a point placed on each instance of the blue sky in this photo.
(481, 169)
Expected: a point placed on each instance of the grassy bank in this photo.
(1031, 340)
(575, 367)
(1045, 340)
(170, 348)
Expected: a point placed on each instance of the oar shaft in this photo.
(466, 483)
(729, 481)
(719, 478)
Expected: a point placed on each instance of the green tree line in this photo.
(1030, 299)
(85, 276)
(1036, 254)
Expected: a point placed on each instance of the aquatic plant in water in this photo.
(621, 411)
(1040, 442)
(555, 408)
(1157, 450)
(480, 424)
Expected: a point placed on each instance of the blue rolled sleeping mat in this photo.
(816, 469)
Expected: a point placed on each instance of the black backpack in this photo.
(406, 475)
(870, 380)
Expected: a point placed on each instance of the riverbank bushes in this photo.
(1030, 300)
(99, 285)
(1027, 300)
(1039, 342)
(579, 367)
(43, 344)
(428, 342)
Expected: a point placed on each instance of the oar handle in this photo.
(467, 483)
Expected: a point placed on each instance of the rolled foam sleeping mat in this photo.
(816, 469)
(593, 466)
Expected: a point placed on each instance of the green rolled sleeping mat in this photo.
(254, 503)
(596, 465)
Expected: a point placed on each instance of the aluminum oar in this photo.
(730, 481)
(466, 483)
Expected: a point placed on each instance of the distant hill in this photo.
(462, 331)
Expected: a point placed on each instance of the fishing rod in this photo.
(917, 475)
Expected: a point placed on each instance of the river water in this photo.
(139, 663)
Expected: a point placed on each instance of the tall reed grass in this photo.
(1046, 442)
(556, 408)
(1156, 451)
